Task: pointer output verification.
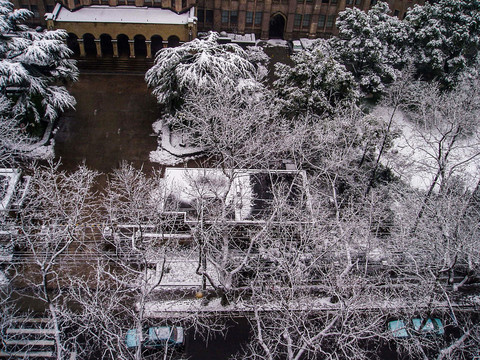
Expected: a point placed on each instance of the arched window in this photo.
(123, 46)
(140, 46)
(277, 26)
(173, 41)
(89, 44)
(72, 44)
(106, 45)
(157, 44)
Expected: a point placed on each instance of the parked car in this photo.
(156, 337)
(405, 329)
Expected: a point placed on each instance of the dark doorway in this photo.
(106, 45)
(157, 44)
(72, 44)
(277, 27)
(89, 44)
(140, 46)
(123, 46)
(173, 41)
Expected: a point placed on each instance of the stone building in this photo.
(122, 31)
(173, 21)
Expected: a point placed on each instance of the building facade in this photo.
(287, 19)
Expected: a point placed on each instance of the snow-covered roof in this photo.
(119, 14)
(248, 191)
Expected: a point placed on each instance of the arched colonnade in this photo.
(121, 46)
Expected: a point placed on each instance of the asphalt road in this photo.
(112, 123)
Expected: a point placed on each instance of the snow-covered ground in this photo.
(180, 272)
(171, 149)
(412, 157)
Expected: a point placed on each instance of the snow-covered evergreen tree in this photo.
(315, 84)
(445, 36)
(32, 66)
(371, 45)
(197, 64)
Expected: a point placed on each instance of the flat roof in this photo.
(119, 14)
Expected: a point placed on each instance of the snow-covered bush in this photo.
(198, 64)
(316, 83)
(371, 45)
(445, 37)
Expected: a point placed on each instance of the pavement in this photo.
(112, 122)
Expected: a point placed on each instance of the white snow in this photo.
(180, 272)
(121, 14)
(277, 42)
(411, 159)
(12, 177)
(43, 152)
(3, 279)
(190, 184)
(165, 158)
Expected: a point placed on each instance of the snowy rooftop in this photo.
(118, 14)
(249, 193)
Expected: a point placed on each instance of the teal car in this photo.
(156, 337)
(402, 329)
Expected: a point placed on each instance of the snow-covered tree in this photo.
(51, 231)
(315, 84)
(233, 126)
(371, 45)
(33, 66)
(445, 37)
(198, 64)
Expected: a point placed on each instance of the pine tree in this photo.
(33, 64)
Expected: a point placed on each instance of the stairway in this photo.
(28, 338)
(114, 65)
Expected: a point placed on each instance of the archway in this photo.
(72, 44)
(123, 46)
(89, 45)
(106, 45)
(140, 46)
(173, 41)
(157, 44)
(277, 26)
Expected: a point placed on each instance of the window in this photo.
(184, 4)
(173, 4)
(333, 1)
(233, 17)
(76, 2)
(249, 17)
(131, 2)
(357, 2)
(324, 1)
(225, 16)
(104, 2)
(330, 21)
(50, 8)
(258, 18)
(321, 21)
(396, 13)
(201, 15)
(373, 2)
(209, 16)
(306, 20)
(349, 2)
(297, 21)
